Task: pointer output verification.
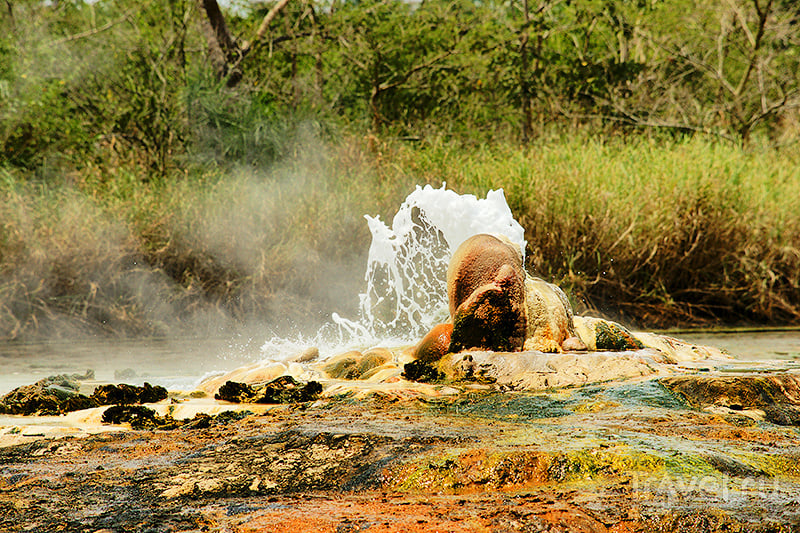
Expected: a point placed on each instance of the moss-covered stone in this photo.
(371, 360)
(612, 336)
(54, 395)
(124, 394)
(284, 389)
(138, 416)
(423, 372)
(343, 366)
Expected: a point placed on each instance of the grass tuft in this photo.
(653, 233)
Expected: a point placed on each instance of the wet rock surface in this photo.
(61, 394)
(775, 397)
(284, 389)
(124, 394)
(625, 456)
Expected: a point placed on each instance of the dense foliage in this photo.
(87, 80)
(149, 169)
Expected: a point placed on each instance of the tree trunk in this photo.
(226, 54)
(223, 50)
(524, 76)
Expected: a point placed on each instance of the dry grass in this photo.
(657, 233)
(660, 234)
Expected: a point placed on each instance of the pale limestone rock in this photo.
(531, 370)
(255, 373)
(679, 351)
(550, 317)
(307, 355)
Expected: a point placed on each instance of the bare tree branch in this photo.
(10, 10)
(262, 29)
(93, 31)
(402, 78)
(756, 44)
(232, 53)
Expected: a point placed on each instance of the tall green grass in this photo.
(653, 232)
(656, 233)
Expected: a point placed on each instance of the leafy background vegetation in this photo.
(164, 171)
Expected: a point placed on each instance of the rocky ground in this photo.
(647, 454)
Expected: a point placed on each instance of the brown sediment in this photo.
(61, 394)
(591, 459)
(738, 392)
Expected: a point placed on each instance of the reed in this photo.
(656, 233)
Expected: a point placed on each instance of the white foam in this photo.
(406, 293)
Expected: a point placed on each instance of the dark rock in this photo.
(200, 421)
(77, 402)
(124, 394)
(54, 395)
(235, 392)
(141, 417)
(284, 389)
(423, 372)
(60, 394)
(227, 417)
(614, 337)
(782, 414)
(138, 416)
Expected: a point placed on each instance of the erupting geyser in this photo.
(406, 290)
(406, 294)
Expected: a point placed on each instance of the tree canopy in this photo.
(157, 80)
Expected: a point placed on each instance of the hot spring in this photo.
(404, 295)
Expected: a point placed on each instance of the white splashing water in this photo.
(406, 289)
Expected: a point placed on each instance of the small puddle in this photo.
(750, 345)
(171, 363)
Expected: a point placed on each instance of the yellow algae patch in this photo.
(472, 470)
(462, 471)
(595, 406)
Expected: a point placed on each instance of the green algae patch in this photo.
(596, 405)
(478, 469)
(602, 463)
(505, 406)
(463, 471)
(689, 465)
(518, 406)
(529, 406)
(648, 393)
(771, 464)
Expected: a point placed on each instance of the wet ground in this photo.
(657, 453)
(623, 457)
